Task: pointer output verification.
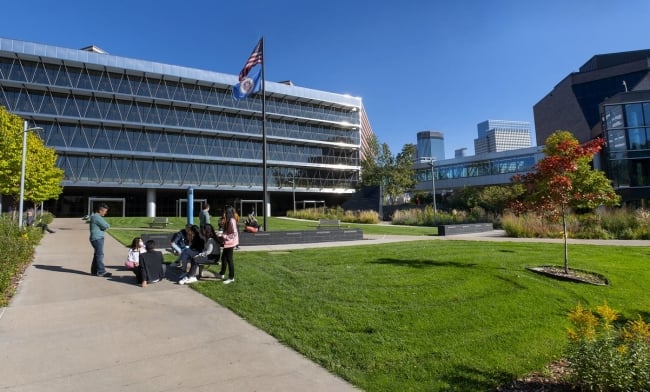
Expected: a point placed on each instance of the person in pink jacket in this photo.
(230, 239)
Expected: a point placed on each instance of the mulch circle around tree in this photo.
(573, 275)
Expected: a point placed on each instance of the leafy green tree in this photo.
(564, 180)
(42, 176)
(496, 198)
(370, 170)
(400, 173)
(394, 174)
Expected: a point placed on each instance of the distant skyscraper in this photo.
(502, 135)
(431, 144)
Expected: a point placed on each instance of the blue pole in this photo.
(190, 206)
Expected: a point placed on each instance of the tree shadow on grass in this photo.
(423, 263)
(465, 378)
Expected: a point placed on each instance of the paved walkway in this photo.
(68, 331)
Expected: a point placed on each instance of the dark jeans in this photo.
(97, 267)
(227, 261)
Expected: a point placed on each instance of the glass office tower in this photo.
(431, 144)
(501, 135)
(146, 132)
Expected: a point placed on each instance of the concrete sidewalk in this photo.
(66, 330)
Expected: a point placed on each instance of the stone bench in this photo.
(464, 228)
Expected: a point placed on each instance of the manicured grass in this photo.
(276, 224)
(427, 315)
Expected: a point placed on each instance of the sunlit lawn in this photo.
(275, 224)
(427, 315)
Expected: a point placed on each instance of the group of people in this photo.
(202, 244)
(145, 261)
(195, 245)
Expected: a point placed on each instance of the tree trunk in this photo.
(566, 246)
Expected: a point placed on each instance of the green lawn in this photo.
(427, 315)
(275, 224)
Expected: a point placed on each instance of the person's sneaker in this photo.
(105, 275)
(219, 276)
(228, 281)
(192, 279)
(184, 280)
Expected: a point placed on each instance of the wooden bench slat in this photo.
(329, 223)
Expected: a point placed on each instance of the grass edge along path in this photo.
(428, 315)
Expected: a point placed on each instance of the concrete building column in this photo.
(151, 203)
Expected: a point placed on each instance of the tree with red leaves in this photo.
(563, 180)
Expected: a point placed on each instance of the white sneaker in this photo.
(184, 280)
(219, 276)
(228, 281)
(192, 279)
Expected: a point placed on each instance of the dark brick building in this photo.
(609, 96)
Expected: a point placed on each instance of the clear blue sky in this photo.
(418, 65)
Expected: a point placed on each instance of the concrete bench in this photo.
(467, 228)
(205, 262)
(159, 222)
(323, 223)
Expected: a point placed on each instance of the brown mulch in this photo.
(553, 379)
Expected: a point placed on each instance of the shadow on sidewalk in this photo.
(58, 268)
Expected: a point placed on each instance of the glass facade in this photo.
(431, 144)
(449, 170)
(502, 135)
(119, 122)
(627, 130)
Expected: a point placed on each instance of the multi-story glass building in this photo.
(607, 97)
(502, 135)
(140, 133)
(431, 144)
(627, 151)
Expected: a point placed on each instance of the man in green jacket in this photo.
(97, 227)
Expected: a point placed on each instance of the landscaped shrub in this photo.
(617, 222)
(365, 216)
(17, 251)
(606, 357)
(621, 224)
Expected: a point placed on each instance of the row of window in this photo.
(626, 173)
(477, 169)
(189, 146)
(88, 107)
(62, 75)
(629, 115)
(130, 171)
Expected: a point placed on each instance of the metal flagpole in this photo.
(266, 196)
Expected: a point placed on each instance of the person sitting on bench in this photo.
(251, 225)
(210, 254)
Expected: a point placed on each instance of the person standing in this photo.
(204, 216)
(97, 228)
(230, 239)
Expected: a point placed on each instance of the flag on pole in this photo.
(254, 59)
(250, 85)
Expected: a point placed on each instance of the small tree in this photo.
(42, 176)
(563, 180)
